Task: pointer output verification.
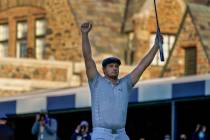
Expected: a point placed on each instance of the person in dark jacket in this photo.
(44, 127)
(81, 132)
(196, 131)
(6, 132)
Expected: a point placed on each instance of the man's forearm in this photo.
(147, 60)
(90, 65)
(86, 49)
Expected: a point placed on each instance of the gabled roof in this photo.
(135, 6)
(204, 2)
(132, 7)
(106, 17)
(200, 15)
(201, 18)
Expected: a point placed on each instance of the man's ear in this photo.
(104, 69)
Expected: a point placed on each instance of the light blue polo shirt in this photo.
(109, 102)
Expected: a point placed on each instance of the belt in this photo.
(112, 131)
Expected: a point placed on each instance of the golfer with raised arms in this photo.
(109, 95)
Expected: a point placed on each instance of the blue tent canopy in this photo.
(145, 91)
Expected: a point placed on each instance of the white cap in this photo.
(84, 123)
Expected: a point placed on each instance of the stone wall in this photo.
(35, 73)
(30, 69)
(170, 13)
(24, 75)
(9, 93)
(63, 40)
(63, 35)
(188, 38)
(107, 17)
(20, 75)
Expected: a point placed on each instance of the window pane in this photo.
(39, 48)
(4, 49)
(172, 39)
(4, 32)
(190, 61)
(167, 45)
(22, 29)
(152, 41)
(40, 27)
(129, 52)
(21, 48)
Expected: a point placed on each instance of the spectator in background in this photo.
(6, 132)
(202, 133)
(44, 127)
(81, 132)
(167, 137)
(195, 133)
(183, 137)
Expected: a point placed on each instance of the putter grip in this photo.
(160, 46)
(161, 50)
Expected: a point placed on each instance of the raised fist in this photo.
(37, 117)
(86, 27)
(159, 38)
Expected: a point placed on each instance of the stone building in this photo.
(190, 54)
(40, 40)
(36, 38)
(40, 45)
(140, 27)
(39, 29)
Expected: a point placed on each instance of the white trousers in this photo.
(107, 134)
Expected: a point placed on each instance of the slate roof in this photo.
(132, 7)
(201, 18)
(135, 6)
(204, 2)
(200, 15)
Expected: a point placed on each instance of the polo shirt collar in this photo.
(110, 82)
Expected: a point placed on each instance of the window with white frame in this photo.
(22, 29)
(167, 45)
(4, 37)
(21, 44)
(129, 52)
(40, 34)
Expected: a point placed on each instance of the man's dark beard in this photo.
(113, 77)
